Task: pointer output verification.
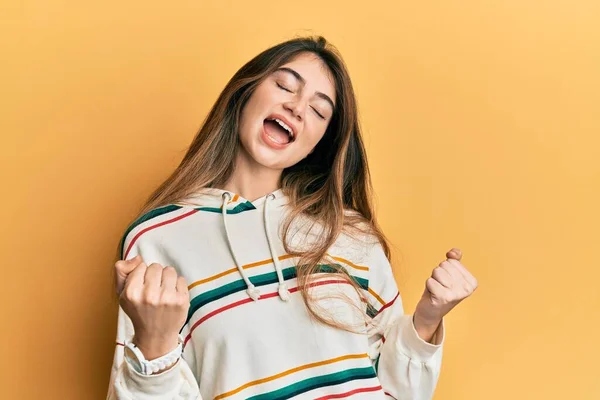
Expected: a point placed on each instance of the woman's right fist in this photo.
(156, 300)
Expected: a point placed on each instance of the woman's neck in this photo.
(252, 180)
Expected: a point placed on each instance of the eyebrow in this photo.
(301, 79)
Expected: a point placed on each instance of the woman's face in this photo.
(300, 95)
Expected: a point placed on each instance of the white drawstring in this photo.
(283, 290)
(252, 291)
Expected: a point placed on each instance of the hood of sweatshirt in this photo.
(230, 204)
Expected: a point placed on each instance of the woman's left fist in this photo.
(449, 284)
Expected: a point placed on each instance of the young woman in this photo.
(257, 270)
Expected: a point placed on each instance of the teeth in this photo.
(285, 126)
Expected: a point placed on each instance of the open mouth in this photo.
(278, 131)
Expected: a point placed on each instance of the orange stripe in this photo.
(360, 267)
(290, 371)
(237, 196)
(270, 260)
(232, 270)
(379, 299)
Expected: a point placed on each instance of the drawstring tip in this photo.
(254, 293)
(284, 293)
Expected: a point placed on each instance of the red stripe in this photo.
(350, 393)
(387, 394)
(120, 344)
(156, 226)
(388, 304)
(249, 300)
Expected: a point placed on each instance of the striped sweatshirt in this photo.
(248, 333)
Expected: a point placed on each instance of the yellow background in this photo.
(482, 121)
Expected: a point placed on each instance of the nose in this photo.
(296, 107)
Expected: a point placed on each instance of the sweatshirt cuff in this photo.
(413, 346)
(152, 384)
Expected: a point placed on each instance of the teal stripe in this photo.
(377, 363)
(371, 310)
(173, 207)
(146, 217)
(235, 210)
(259, 280)
(328, 268)
(306, 385)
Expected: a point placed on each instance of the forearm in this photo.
(426, 329)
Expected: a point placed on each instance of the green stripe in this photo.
(377, 363)
(235, 210)
(259, 280)
(329, 268)
(146, 217)
(173, 207)
(306, 385)
(371, 310)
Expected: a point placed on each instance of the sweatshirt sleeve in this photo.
(125, 383)
(407, 366)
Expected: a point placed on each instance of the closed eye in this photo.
(286, 89)
(320, 116)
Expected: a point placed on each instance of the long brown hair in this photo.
(331, 186)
